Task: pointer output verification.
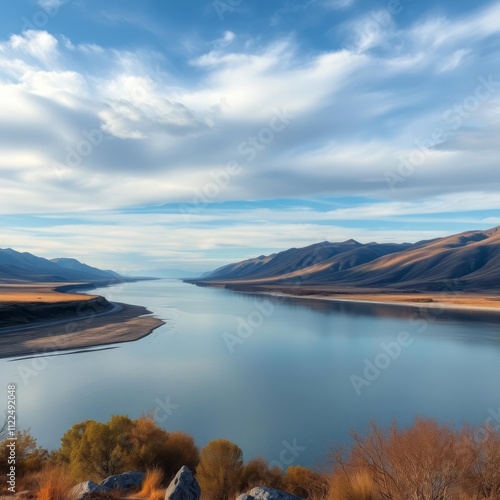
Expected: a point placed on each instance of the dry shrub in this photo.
(257, 472)
(428, 461)
(305, 483)
(357, 486)
(481, 449)
(54, 483)
(151, 487)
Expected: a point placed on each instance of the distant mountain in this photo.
(76, 265)
(470, 259)
(17, 267)
(167, 273)
(306, 261)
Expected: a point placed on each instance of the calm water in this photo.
(288, 377)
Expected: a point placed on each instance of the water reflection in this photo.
(289, 378)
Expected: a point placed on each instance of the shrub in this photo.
(94, 450)
(30, 458)
(219, 472)
(305, 483)
(54, 483)
(258, 473)
(151, 485)
(424, 461)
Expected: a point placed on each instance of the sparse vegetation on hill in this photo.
(470, 260)
(428, 461)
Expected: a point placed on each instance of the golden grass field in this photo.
(44, 292)
(29, 312)
(461, 301)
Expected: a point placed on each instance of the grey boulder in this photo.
(183, 487)
(128, 482)
(85, 490)
(267, 494)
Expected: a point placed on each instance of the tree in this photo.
(94, 450)
(153, 447)
(30, 457)
(219, 472)
(258, 473)
(305, 483)
(421, 462)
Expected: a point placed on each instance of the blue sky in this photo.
(147, 135)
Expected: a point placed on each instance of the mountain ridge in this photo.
(24, 267)
(470, 259)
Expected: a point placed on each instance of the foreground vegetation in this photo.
(428, 461)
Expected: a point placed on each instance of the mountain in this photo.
(166, 273)
(76, 265)
(308, 261)
(17, 267)
(470, 259)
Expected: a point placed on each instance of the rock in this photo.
(267, 494)
(85, 490)
(128, 482)
(183, 487)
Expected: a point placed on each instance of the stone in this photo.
(267, 494)
(84, 490)
(128, 482)
(183, 487)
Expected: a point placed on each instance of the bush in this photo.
(54, 483)
(428, 461)
(305, 483)
(94, 451)
(151, 485)
(258, 473)
(219, 472)
(30, 458)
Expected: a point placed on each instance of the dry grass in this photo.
(54, 483)
(458, 301)
(151, 487)
(358, 486)
(37, 293)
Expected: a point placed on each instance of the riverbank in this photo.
(448, 299)
(37, 319)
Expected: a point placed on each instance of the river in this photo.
(268, 373)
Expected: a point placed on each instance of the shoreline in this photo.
(416, 304)
(68, 327)
(487, 302)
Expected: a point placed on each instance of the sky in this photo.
(146, 135)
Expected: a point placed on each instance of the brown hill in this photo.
(467, 261)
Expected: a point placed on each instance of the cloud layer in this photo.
(404, 113)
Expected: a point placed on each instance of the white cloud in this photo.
(37, 44)
(338, 4)
(50, 5)
(164, 134)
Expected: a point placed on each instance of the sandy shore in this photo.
(462, 302)
(449, 300)
(73, 322)
(32, 293)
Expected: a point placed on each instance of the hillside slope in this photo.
(465, 261)
(17, 267)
